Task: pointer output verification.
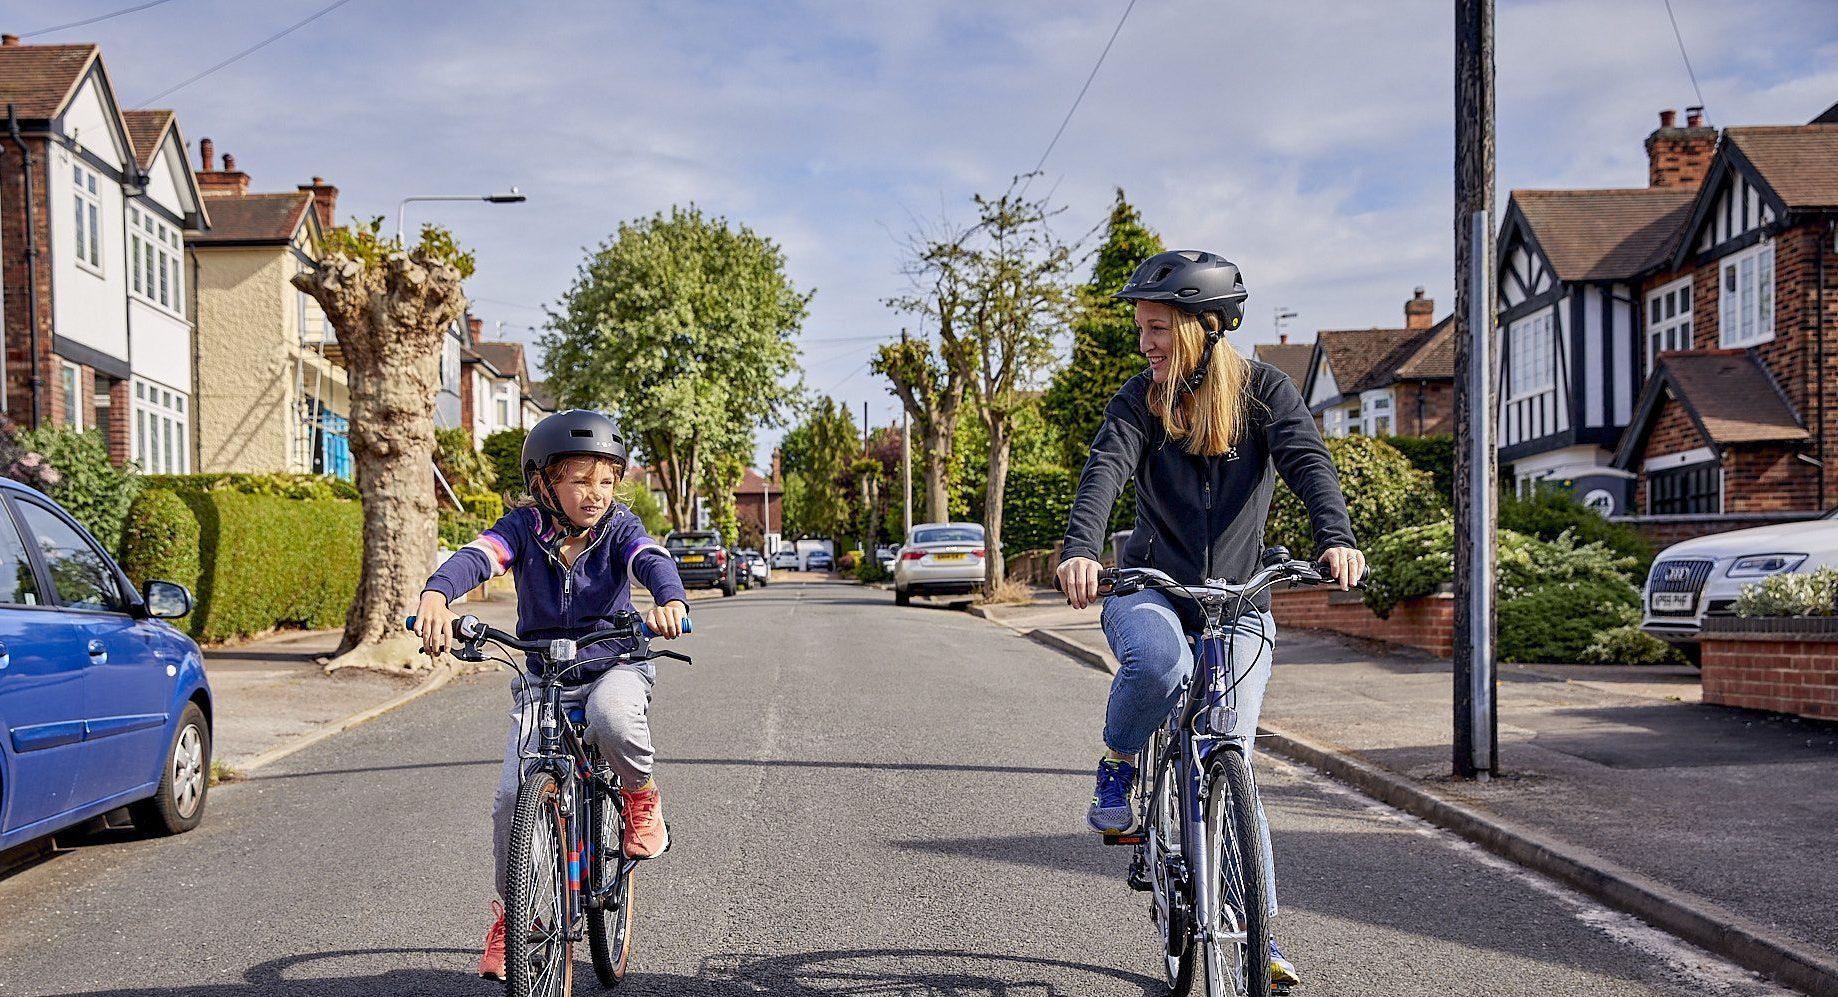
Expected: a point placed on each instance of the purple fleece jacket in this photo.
(555, 601)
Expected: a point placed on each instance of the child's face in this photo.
(584, 488)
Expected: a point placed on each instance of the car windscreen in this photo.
(682, 540)
(949, 535)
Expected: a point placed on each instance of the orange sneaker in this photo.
(491, 964)
(646, 837)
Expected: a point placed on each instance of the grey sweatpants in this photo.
(618, 724)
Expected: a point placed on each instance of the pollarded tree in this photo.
(681, 327)
(390, 307)
(929, 380)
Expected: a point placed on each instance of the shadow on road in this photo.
(1080, 852)
(929, 972)
(876, 766)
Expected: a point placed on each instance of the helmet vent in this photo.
(585, 434)
(1161, 274)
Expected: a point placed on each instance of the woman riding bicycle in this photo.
(1200, 432)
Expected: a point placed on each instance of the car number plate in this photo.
(1672, 602)
(693, 559)
(949, 557)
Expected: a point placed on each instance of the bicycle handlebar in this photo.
(473, 631)
(1124, 581)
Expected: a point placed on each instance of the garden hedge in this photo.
(1560, 622)
(254, 562)
(293, 486)
(1036, 507)
(1384, 493)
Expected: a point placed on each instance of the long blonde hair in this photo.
(1212, 418)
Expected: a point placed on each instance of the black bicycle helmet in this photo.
(1198, 283)
(573, 433)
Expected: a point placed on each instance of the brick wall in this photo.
(1673, 432)
(1780, 672)
(1427, 623)
(1768, 478)
(13, 218)
(1438, 399)
(120, 421)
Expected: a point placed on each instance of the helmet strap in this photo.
(1191, 383)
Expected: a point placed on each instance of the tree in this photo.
(721, 474)
(1104, 353)
(681, 327)
(818, 454)
(929, 380)
(504, 449)
(390, 306)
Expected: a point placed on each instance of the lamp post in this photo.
(512, 196)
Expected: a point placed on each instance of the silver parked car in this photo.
(1703, 576)
(939, 559)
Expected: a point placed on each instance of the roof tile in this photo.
(1799, 161)
(38, 79)
(246, 218)
(1606, 234)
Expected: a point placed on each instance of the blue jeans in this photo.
(1155, 657)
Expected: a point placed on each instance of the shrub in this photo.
(1415, 561)
(466, 469)
(870, 571)
(1558, 622)
(457, 529)
(504, 450)
(1628, 645)
(321, 487)
(1432, 454)
(1384, 494)
(848, 560)
(90, 487)
(1550, 512)
(1811, 594)
(1038, 504)
(161, 539)
(488, 506)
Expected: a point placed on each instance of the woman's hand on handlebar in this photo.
(434, 622)
(667, 620)
(1346, 565)
(1078, 579)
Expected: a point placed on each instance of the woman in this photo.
(1200, 432)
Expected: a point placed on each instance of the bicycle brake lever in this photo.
(673, 654)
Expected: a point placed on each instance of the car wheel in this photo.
(901, 597)
(728, 585)
(178, 805)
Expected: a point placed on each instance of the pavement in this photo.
(864, 799)
(1621, 772)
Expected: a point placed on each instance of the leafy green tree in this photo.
(1104, 353)
(466, 470)
(931, 379)
(644, 505)
(825, 447)
(682, 327)
(74, 468)
(504, 449)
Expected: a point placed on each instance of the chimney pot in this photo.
(1282, 338)
(1668, 118)
(325, 201)
(1694, 117)
(229, 163)
(9, 40)
(1419, 311)
(1680, 157)
(207, 154)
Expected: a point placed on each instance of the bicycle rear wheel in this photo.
(538, 953)
(1168, 898)
(609, 926)
(1238, 951)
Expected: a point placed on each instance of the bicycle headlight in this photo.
(561, 650)
(1759, 565)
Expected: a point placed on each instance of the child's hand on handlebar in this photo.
(667, 620)
(1078, 579)
(434, 623)
(1346, 565)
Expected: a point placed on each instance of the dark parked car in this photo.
(103, 703)
(702, 560)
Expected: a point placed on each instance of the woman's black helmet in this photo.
(1193, 281)
(574, 433)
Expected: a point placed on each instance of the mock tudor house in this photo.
(94, 204)
(1384, 382)
(1661, 348)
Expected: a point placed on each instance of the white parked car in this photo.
(1703, 576)
(785, 559)
(939, 559)
(886, 556)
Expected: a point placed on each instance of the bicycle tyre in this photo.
(1231, 824)
(609, 928)
(1162, 831)
(536, 896)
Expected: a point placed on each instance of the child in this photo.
(574, 553)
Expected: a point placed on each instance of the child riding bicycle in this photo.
(574, 553)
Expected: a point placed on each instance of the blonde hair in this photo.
(564, 466)
(1212, 418)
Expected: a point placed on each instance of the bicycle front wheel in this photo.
(1168, 894)
(609, 925)
(538, 953)
(1238, 949)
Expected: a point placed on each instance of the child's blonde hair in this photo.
(561, 467)
(1212, 418)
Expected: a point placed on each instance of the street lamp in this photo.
(513, 196)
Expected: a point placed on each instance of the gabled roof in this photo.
(38, 80)
(751, 483)
(1290, 358)
(1728, 394)
(1367, 359)
(538, 392)
(145, 130)
(1799, 163)
(1604, 234)
(254, 219)
(1435, 358)
(505, 358)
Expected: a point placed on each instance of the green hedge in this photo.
(504, 449)
(1413, 562)
(1384, 493)
(488, 506)
(261, 561)
(1036, 506)
(292, 486)
(1550, 512)
(90, 487)
(1433, 454)
(1561, 622)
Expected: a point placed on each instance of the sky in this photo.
(1311, 142)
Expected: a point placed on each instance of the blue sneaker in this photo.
(1110, 811)
(1282, 971)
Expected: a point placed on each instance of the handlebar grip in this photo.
(644, 630)
(409, 624)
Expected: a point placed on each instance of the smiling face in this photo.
(584, 487)
(1155, 337)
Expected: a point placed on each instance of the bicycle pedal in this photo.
(1122, 839)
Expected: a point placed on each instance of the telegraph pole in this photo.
(906, 463)
(1476, 741)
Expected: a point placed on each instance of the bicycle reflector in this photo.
(561, 650)
(1218, 720)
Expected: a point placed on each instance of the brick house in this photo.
(1290, 358)
(94, 204)
(1385, 382)
(496, 390)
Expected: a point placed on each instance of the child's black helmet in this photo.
(1194, 281)
(574, 433)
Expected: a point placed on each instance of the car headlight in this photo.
(1757, 565)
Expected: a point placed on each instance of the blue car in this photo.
(103, 704)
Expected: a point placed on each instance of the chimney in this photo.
(325, 201)
(207, 155)
(9, 41)
(475, 327)
(777, 465)
(219, 182)
(1419, 311)
(1680, 157)
(1282, 339)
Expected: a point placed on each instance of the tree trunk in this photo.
(392, 445)
(937, 475)
(995, 568)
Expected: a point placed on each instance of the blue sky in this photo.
(1309, 141)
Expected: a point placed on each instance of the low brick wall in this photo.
(1427, 623)
(1776, 670)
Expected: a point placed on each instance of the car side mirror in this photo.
(166, 600)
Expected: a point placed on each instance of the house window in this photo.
(1745, 306)
(1669, 319)
(504, 408)
(1679, 490)
(1534, 358)
(154, 251)
(88, 218)
(160, 430)
(73, 395)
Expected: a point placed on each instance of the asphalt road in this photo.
(864, 800)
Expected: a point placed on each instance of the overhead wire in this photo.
(93, 20)
(1081, 97)
(258, 46)
(1683, 54)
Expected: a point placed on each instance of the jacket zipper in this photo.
(1206, 493)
